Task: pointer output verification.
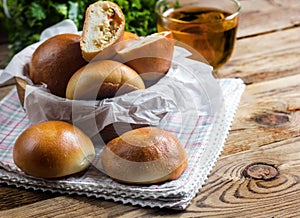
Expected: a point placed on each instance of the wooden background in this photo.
(266, 129)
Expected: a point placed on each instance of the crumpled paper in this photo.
(199, 117)
(203, 138)
(188, 86)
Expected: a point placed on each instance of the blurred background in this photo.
(22, 21)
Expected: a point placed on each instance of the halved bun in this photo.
(103, 26)
(146, 155)
(150, 56)
(53, 149)
(55, 61)
(103, 79)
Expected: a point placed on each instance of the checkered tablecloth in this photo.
(202, 136)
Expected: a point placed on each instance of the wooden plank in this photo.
(265, 57)
(254, 13)
(226, 193)
(268, 112)
(251, 24)
(261, 16)
(71, 205)
(13, 197)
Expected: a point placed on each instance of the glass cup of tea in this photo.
(208, 26)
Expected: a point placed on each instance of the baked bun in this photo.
(55, 61)
(103, 26)
(103, 79)
(151, 56)
(53, 149)
(146, 155)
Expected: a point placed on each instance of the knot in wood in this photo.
(269, 119)
(262, 171)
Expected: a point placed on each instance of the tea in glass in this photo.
(208, 26)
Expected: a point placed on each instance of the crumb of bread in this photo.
(101, 28)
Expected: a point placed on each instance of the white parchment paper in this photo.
(188, 101)
(188, 87)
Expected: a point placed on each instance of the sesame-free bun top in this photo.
(146, 155)
(103, 79)
(53, 149)
(55, 61)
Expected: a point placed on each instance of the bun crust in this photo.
(103, 79)
(103, 26)
(151, 56)
(55, 61)
(53, 149)
(146, 155)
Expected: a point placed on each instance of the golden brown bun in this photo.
(103, 79)
(116, 129)
(150, 56)
(103, 26)
(55, 61)
(144, 156)
(53, 149)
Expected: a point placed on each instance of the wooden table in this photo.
(266, 129)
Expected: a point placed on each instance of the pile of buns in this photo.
(103, 62)
(103, 58)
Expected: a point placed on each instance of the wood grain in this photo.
(226, 194)
(13, 198)
(74, 206)
(268, 112)
(263, 16)
(265, 57)
(229, 194)
(266, 129)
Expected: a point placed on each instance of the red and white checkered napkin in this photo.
(203, 137)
